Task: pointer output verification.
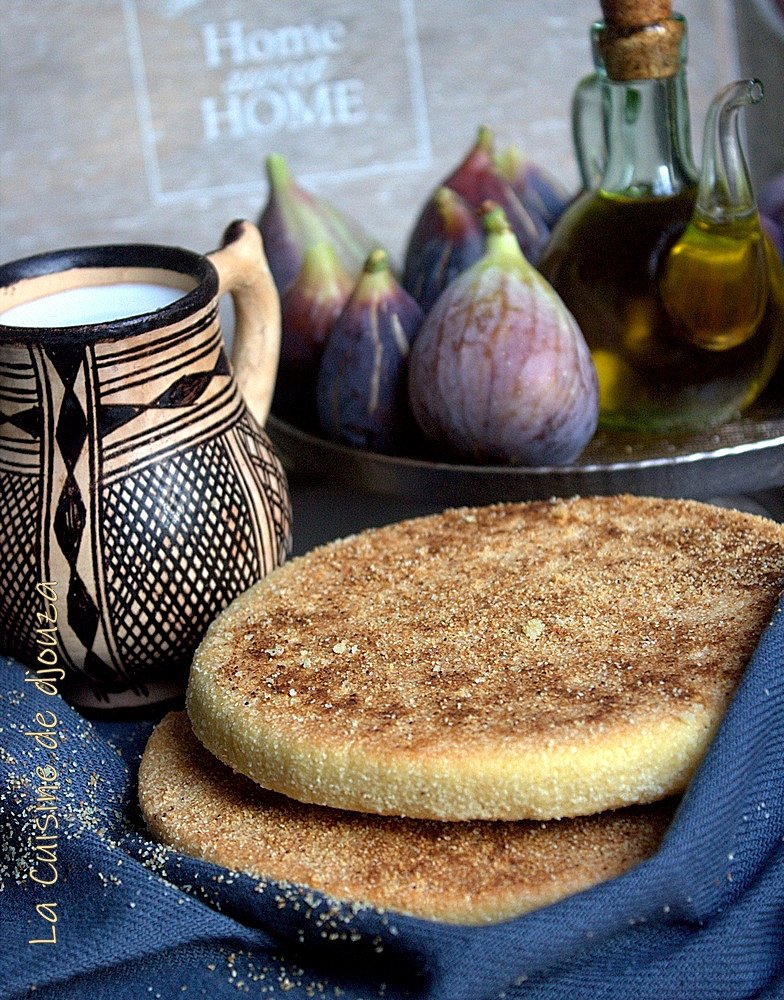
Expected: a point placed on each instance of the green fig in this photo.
(500, 370)
(293, 219)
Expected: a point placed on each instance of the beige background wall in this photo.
(149, 120)
(760, 35)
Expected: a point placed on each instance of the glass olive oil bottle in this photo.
(667, 271)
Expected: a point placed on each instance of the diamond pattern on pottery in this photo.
(28, 421)
(134, 482)
(185, 391)
(19, 543)
(72, 526)
(159, 523)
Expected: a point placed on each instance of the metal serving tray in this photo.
(738, 458)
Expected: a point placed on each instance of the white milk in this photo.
(91, 304)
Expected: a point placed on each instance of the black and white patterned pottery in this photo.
(136, 481)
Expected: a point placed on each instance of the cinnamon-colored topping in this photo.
(512, 661)
(457, 872)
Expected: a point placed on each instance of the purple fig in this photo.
(500, 370)
(293, 219)
(771, 207)
(309, 307)
(775, 232)
(450, 239)
(362, 383)
(477, 179)
(545, 198)
(771, 198)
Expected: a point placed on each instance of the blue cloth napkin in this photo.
(702, 920)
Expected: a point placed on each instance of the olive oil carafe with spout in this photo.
(667, 270)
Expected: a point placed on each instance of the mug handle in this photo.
(244, 273)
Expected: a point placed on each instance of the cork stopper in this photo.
(635, 13)
(640, 40)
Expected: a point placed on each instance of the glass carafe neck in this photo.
(647, 128)
(647, 139)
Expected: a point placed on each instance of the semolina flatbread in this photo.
(517, 661)
(467, 873)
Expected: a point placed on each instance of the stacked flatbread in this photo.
(469, 715)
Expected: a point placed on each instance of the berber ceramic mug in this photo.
(139, 493)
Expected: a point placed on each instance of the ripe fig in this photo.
(771, 207)
(293, 219)
(775, 232)
(545, 198)
(450, 240)
(500, 370)
(477, 179)
(362, 382)
(309, 307)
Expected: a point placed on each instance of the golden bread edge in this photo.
(543, 779)
(523, 782)
(160, 799)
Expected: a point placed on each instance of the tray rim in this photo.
(676, 474)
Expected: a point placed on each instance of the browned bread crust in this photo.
(508, 662)
(467, 873)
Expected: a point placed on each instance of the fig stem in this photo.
(500, 238)
(321, 256)
(278, 170)
(510, 162)
(494, 219)
(443, 198)
(377, 261)
(485, 139)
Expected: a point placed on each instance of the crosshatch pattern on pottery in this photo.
(142, 487)
(21, 417)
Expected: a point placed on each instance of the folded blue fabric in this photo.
(91, 908)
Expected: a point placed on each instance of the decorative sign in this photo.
(218, 86)
(151, 120)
